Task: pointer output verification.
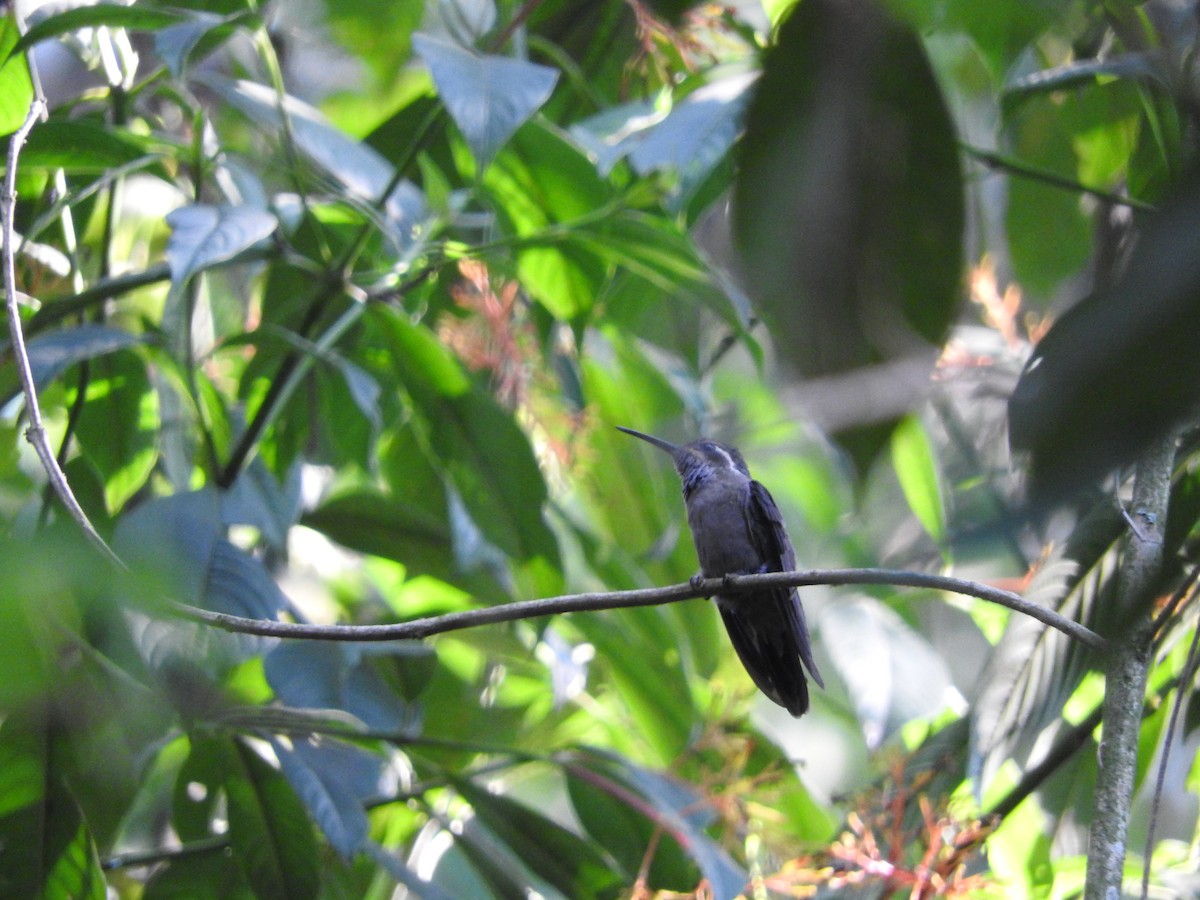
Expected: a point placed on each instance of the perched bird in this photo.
(737, 530)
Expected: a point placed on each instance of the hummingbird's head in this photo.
(698, 462)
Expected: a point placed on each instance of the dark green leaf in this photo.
(1117, 371)
(683, 814)
(82, 146)
(562, 858)
(268, 830)
(205, 236)
(373, 523)
(849, 209)
(488, 97)
(180, 540)
(48, 848)
(208, 876)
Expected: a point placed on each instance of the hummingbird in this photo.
(738, 530)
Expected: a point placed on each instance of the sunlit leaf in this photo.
(488, 97)
(916, 469)
(16, 87)
(205, 236)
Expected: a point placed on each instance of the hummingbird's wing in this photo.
(769, 536)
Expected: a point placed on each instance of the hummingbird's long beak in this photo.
(651, 439)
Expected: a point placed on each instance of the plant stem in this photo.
(1126, 668)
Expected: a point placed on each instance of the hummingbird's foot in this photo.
(697, 581)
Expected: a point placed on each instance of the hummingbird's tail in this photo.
(771, 638)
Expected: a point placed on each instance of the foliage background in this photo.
(332, 308)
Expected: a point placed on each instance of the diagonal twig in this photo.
(36, 432)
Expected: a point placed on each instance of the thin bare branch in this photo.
(591, 602)
(36, 432)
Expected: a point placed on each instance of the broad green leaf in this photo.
(136, 18)
(917, 471)
(849, 197)
(1084, 136)
(83, 146)
(48, 849)
(541, 187)
(562, 858)
(202, 33)
(326, 675)
(679, 811)
(257, 499)
(119, 425)
(333, 779)
(52, 353)
(698, 131)
(481, 446)
(363, 171)
(1115, 372)
(206, 876)
(269, 833)
(16, 87)
(205, 236)
(625, 833)
(179, 539)
(488, 97)
(373, 523)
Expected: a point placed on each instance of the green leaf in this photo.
(481, 446)
(363, 171)
(205, 236)
(489, 97)
(677, 809)
(562, 858)
(916, 469)
(849, 198)
(48, 849)
(137, 18)
(82, 146)
(1116, 371)
(119, 425)
(202, 33)
(373, 523)
(16, 87)
(52, 353)
(269, 832)
(333, 779)
(325, 675)
(179, 539)
(207, 876)
(541, 187)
